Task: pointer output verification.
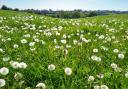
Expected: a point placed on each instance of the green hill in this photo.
(86, 53)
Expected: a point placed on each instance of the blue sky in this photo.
(68, 4)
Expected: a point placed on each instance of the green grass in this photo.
(78, 57)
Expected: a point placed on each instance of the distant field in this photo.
(86, 53)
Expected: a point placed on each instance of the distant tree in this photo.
(76, 14)
(50, 10)
(16, 9)
(29, 10)
(92, 13)
(83, 15)
(4, 7)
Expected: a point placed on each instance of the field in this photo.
(86, 53)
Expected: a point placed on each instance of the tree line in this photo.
(78, 13)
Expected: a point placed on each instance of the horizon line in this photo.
(66, 9)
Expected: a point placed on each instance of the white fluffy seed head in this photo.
(101, 37)
(63, 41)
(18, 76)
(126, 75)
(91, 78)
(121, 56)
(65, 51)
(32, 49)
(31, 43)
(23, 41)
(4, 71)
(100, 76)
(1, 50)
(2, 82)
(6, 58)
(114, 66)
(115, 50)
(104, 87)
(40, 86)
(95, 58)
(96, 87)
(68, 71)
(95, 50)
(15, 65)
(51, 67)
(75, 41)
(101, 87)
(28, 88)
(36, 40)
(22, 65)
(15, 46)
(64, 36)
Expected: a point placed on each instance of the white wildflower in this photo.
(75, 41)
(2, 82)
(31, 43)
(23, 41)
(114, 66)
(63, 41)
(36, 40)
(91, 78)
(68, 71)
(51, 67)
(104, 87)
(121, 56)
(100, 76)
(115, 50)
(126, 75)
(57, 46)
(22, 65)
(95, 50)
(15, 64)
(96, 87)
(1, 50)
(15, 46)
(6, 58)
(95, 58)
(18, 76)
(101, 37)
(40, 86)
(4, 71)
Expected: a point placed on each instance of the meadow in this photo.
(40, 52)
